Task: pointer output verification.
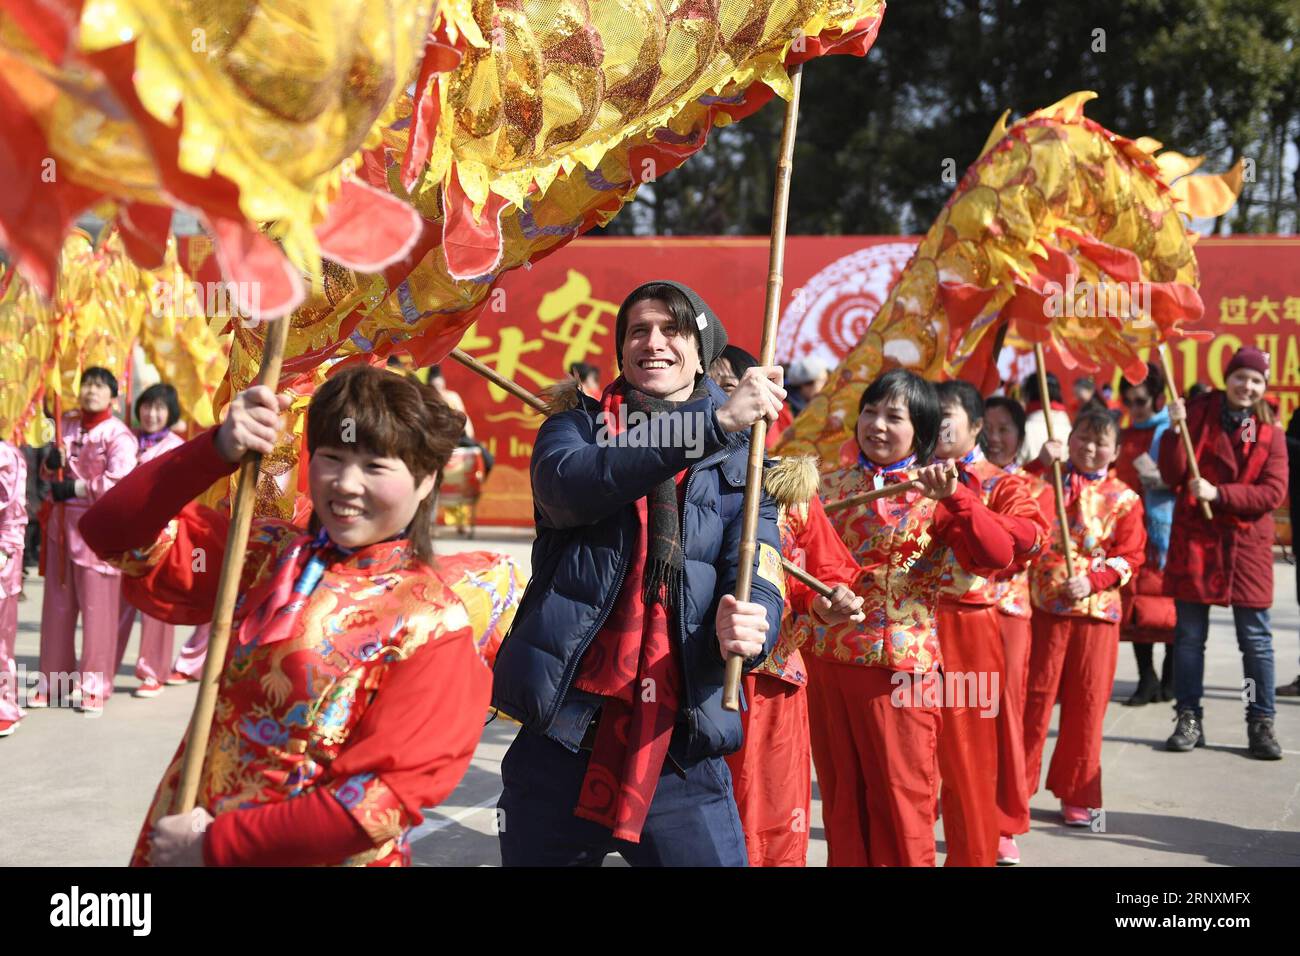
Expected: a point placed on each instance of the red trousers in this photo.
(1013, 798)
(1072, 660)
(876, 766)
(771, 774)
(971, 639)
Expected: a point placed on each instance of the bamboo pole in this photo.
(800, 574)
(525, 396)
(866, 497)
(232, 566)
(767, 355)
(1171, 396)
(1058, 484)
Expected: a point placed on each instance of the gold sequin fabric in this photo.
(1054, 198)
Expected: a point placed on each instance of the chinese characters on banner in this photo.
(1251, 288)
(561, 311)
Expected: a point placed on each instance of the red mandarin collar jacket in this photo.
(325, 745)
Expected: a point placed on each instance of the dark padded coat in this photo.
(584, 495)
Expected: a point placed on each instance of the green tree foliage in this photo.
(1219, 78)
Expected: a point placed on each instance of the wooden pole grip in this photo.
(767, 355)
(1171, 396)
(1058, 482)
(232, 566)
(825, 590)
(866, 497)
(745, 557)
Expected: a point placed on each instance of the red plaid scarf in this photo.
(631, 664)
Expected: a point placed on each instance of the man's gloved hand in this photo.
(63, 490)
(54, 460)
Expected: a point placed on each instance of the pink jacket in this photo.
(165, 444)
(101, 458)
(13, 518)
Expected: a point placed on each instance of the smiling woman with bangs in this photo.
(1228, 560)
(875, 743)
(1077, 610)
(157, 409)
(352, 694)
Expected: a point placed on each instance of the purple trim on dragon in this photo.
(735, 99)
(411, 313)
(596, 180)
(665, 135)
(528, 225)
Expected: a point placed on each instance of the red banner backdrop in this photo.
(541, 320)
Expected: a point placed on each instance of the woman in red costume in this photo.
(970, 634)
(352, 694)
(1003, 434)
(874, 694)
(771, 774)
(1077, 612)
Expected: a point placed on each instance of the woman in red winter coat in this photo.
(1227, 561)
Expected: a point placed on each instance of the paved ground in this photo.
(75, 788)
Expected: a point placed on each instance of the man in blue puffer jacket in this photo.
(614, 664)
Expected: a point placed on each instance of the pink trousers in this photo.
(8, 669)
(70, 590)
(155, 643)
(190, 660)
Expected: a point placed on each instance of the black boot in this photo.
(1167, 674)
(1263, 745)
(1290, 690)
(1148, 687)
(1188, 734)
